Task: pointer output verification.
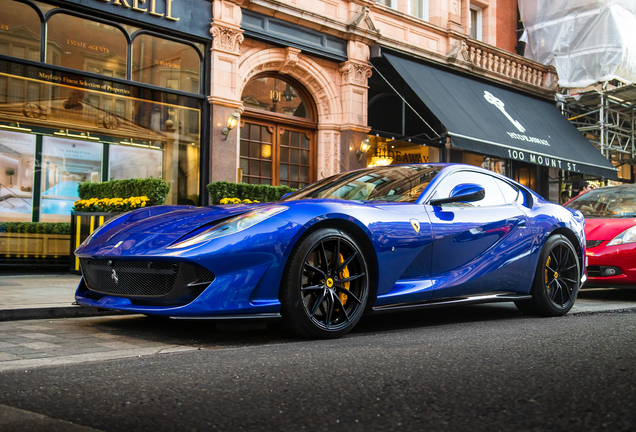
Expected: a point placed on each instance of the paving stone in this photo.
(39, 345)
(38, 336)
(32, 356)
(35, 327)
(6, 345)
(7, 357)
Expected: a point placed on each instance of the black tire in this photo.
(323, 297)
(556, 281)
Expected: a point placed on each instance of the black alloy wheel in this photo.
(326, 287)
(557, 279)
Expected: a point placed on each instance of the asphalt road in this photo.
(473, 368)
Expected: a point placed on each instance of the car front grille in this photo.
(146, 282)
(594, 271)
(592, 243)
(138, 278)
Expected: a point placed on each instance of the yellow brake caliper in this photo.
(343, 275)
(547, 264)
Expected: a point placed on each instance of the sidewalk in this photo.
(38, 296)
(41, 296)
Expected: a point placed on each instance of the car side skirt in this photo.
(259, 316)
(488, 298)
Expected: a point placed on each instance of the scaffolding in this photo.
(606, 117)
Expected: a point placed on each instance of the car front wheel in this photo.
(326, 286)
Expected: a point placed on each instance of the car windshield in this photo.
(402, 183)
(606, 202)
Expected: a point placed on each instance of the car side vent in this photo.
(592, 243)
(204, 275)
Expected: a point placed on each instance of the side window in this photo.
(493, 196)
(510, 193)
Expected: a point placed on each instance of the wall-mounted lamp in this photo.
(364, 148)
(232, 121)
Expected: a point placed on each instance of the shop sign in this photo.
(401, 157)
(547, 161)
(192, 17)
(82, 83)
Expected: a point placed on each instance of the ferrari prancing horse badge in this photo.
(416, 225)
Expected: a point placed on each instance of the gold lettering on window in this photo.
(168, 64)
(87, 46)
(4, 27)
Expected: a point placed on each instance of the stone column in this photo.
(354, 90)
(224, 97)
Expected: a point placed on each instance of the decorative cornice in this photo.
(355, 73)
(214, 100)
(226, 38)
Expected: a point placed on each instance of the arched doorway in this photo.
(278, 132)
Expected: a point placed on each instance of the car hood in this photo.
(180, 219)
(606, 229)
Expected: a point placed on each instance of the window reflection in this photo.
(66, 163)
(167, 135)
(275, 95)
(16, 176)
(165, 63)
(86, 45)
(19, 31)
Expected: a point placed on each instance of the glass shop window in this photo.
(276, 96)
(165, 63)
(16, 176)
(133, 162)
(86, 45)
(66, 163)
(19, 30)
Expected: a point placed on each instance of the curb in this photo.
(55, 312)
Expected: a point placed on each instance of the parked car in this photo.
(374, 240)
(610, 227)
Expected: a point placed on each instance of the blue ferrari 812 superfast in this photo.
(374, 240)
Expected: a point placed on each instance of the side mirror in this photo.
(465, 192)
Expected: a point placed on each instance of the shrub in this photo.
(110, 204)
(154, 188)
(36, 227)
(244, 191)
(237, 201)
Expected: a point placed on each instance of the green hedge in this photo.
(263, 193)
(36, 227)
(154, 188)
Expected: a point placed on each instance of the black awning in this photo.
(487, 119)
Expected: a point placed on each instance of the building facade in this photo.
(93, 90)
(317, 95)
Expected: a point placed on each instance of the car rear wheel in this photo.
(557, 279)
(326, 286)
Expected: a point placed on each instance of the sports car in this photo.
(374, 240)
(610, 226)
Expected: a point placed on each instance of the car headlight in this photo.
(231, 226)
(101, 227)
(627, 236)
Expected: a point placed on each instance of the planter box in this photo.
(27, 245)
(82, 225)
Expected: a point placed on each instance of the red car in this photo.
(610, 230)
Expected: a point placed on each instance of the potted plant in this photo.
(100, 202)
(10, 172)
